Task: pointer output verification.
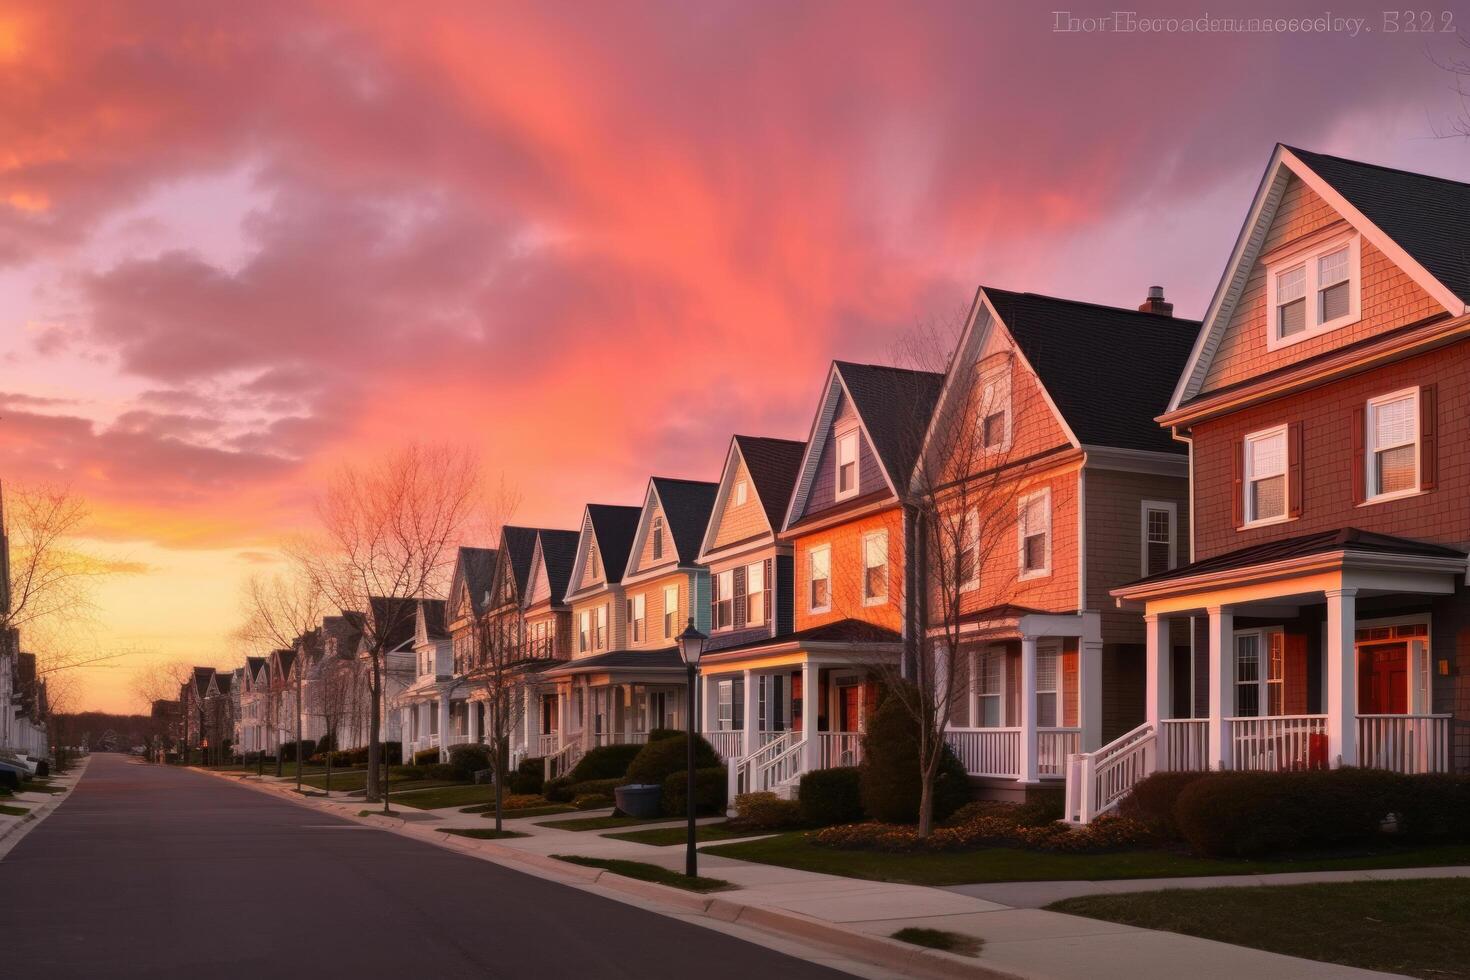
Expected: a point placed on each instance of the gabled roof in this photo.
(223, 681)
(518, 545)
(345, 629)
(433, 612)
(841, 631)
(1108, 370)
(399, 619)
(772, 465)
(558, 553)
(285, 658)
(475, 569)
(612, 526)
(686, 506)
(893, 406)
(202, 676)
(1417, 221)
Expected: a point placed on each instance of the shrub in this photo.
(766, 811)
(435, 770)
(598, 787)
(831, 796)
(528, 776)
(1152, 800)
(890, 779)
(394, 752)
(659, 734)
(663, 757)
(992, 830)
(288, 750)
(592, 801)
(425, 757)
(328, 743)
(469, 759)
(1434, 807)
(604, 762)
(710, 786)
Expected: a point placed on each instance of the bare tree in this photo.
(157, 682)
(386, 534)
(332, 699)
(283, 612)
(497, 655)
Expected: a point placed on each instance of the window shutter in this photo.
(1237, 464)
(714, 600)
(1360, 461)
(1294, 468)
(770, 596)
(739, 603)
(737, 705)
(1428, 441)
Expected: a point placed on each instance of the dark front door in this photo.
(1383, 679)
(849, 707)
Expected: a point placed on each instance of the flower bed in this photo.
(989, 825)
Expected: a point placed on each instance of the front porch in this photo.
(1322, 657)
(432, 718)
(610, 699)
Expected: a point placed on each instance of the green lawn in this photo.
(533, 811)
(950, 942)
(13, 811)
(356, 780)
(649, 872)
(669, 836)
(447, 794)
(1412, 927)
(485, 833)
(35, 787)
(793, 850)
(602, 823)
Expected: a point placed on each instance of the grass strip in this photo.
(648, 872)
(602, 823)
(670, 836)
(484, 833)
(949, 942)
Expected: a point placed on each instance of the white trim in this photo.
(1370, 450)
(808, 579)
(970, 521)
(847, 437)
(1021, 535)
(996, 379)
(863, 561)
(1143, 542)
(1248, 517)
(1309, 260)
(1263, 671)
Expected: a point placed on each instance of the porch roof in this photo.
(636, 660)
(850, 631)
(1288, 556)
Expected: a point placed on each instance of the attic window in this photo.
(847, 465)
(740, 494)
(994, 412)
(1313, 291)
(658, 538)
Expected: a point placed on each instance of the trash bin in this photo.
(640, 799)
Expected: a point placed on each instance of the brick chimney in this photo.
(1156, 303)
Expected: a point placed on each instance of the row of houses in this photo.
(1235, 543)
(24, 708)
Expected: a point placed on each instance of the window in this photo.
(599, 640)
(1265, 476)
(637, 623)
(671, 611)
(967, 562)
(740, 492)
(1046, 688)
(755, 593)
(594, 565)
(658, 538)
(1313, 292)
(847, 465)
(1035, 534)
(724, 584)
(731, 705)
(995, 412)
(990, 686)
(1259, 673)
(875, 568)
(584, 631)
(1159, 522)
(819, 576)
(1393, 444)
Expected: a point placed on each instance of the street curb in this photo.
(12, 834)
(874, 950)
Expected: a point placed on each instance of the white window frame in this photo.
(811, 557)
(1309, 258)
(848, 438)
(740, 493)
(759, 568)
(599, 628)
(970, 541)
(874, 537)
(671, 612)
(584, 631)
(638, 617)
(995, 388)
(1247, 477)
(1263, 679)
(1143, 542)
(1021, 535)
(984, 660)
(656, 535)
(724, 585)
(1370, 451)
(1054, 654)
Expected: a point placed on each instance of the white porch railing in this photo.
(546, 744)
(1184, 744)
(459, 740)
(1278, 743)
(619, 738)
(1404, 743)
(987, 751)
(727, 744)
(560, 762)
(1096, 781)
(1053, 746)
(840, 749)
(752, 773)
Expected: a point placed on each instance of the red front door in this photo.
(852, 699)
(1383, 679)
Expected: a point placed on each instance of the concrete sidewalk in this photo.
(1019, 941)
(37, 805)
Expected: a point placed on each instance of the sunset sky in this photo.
(240, 243)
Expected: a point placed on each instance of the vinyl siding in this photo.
(1115, 540)
(740, 522)
(822, 497)
(846, 586)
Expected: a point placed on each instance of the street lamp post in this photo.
(691, 647)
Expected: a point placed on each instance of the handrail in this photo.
(562, 760)
(1098, 780)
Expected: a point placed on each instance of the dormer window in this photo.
(1312, 291)
(658, 538)
(847, 465)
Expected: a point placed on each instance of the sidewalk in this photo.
(858, 916)
(38, 806)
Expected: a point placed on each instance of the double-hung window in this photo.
(1159, 522)
(847, 465)
(990, 687)
(658, 538)
(1259, 673)
(584, 631)
(1265, 476)
(819, 579)
(875, 568)
(1035, 534)
(600, 638)
(755, 593)
(994, 412)
(967, 557)
(1313, 292)
(1393, 444)
(1047, 688)
(725, 599)
(740, 494)
(671, 611)
(637, 618)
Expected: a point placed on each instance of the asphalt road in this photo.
(159, 872)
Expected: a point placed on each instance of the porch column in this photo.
(473, 720)
(529, 727)
(751, 720)
(1222, 681)
(562, 722)
(1090, 683)
(974, 687)
(812, 753)
(1341, 664)
(1158, 663)
(1028, 772)
(444, 726)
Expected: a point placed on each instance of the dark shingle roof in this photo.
(477, 569)
(201, 678)
(346, 629)
(1110, 371)
(1426, 216)
(434, 617)
(396, 620)
(637, 659)
(223, 681)
(842, 631)
(1322, 542)
(287, 658)
(558, 552)
(773, 465)
(614, 526)
(519, 544)
(895, 405)
(687, 504)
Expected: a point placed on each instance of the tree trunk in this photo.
(375, 747)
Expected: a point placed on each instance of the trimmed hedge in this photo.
(891, 783)
(664, 756)
(288, 750)
(425, 757)
(766, 811)
(1151, 801)
(604, 762)
(710, 787)
(528, 777)
(469, 759)
(394, 751)
(831, 796)
(659, 734)
(563, 790)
